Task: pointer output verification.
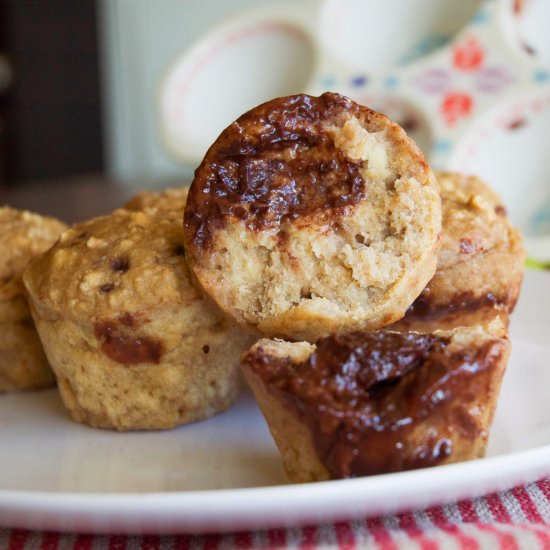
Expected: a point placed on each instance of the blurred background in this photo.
(78, 81)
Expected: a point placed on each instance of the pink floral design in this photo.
(456, 105)
(468, 56)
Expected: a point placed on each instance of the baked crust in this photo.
(480, 267)
(372, 403)
(132, 342)
(313, 215)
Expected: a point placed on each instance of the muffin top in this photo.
(480, 265)
(23, 235)
(126, 265)
(311, 215)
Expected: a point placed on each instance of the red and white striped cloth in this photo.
(517, 519)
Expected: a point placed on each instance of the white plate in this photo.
(224, 473)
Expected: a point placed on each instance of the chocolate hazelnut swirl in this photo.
(276, 163)
(380, 402)
(308, 214)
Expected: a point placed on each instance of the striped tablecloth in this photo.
(516, 519)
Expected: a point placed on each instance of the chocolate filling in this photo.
(363, 394)
(125, 348)
(425, 308)
(275, 163)
(120, 264)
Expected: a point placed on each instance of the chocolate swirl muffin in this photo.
(132, 343)
(310, 215)
(371, 403)
(480, 267)
(23, 235)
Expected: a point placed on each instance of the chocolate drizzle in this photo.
(363, 395)
(123, 347)
(275, 163)
(463, 302)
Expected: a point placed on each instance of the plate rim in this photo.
(221, 510)
(231, 509)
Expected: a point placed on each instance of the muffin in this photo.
(311, 215)
(23, 235)
(371, 403)
(480, 267)
(132, 343)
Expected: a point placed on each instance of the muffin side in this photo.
(480, 267)
(313, 215)
(132, 343)
(23, 236)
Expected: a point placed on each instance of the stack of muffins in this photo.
(381, 295)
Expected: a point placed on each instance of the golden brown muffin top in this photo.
(474, 219)
(480, 264)
(125, 266)
(23, 235)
